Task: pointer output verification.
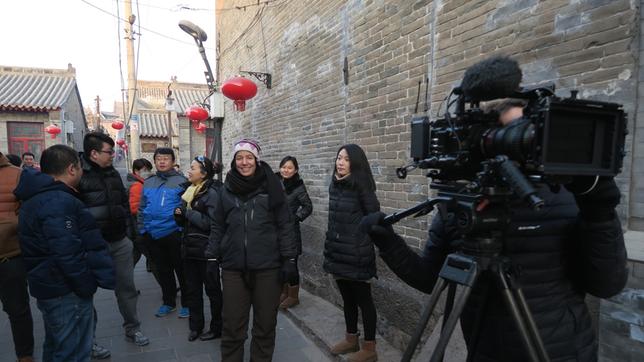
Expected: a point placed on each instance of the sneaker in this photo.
(138, 338)
(184, 312)
(100, 352)
(164, 310)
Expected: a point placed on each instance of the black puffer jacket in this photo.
(196, 221)
(560, 258)
(247, 235)
(102, 191)
(349, 252)
(299, 204)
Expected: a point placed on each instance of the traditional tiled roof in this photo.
(34, 89)
(187, 97)
(154, 124)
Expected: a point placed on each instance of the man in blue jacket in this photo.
(64, 253)
(160, 233)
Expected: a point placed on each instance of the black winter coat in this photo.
(196, 221)
(299, 204)
(247, 235)
(102, 191)
(560, 258)
(349, 252)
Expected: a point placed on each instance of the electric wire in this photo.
(141, 27)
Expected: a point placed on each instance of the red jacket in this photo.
(136, 188)
(9, 176)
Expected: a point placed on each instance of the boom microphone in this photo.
(492, 78)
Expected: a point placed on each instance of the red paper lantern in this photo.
(118, 125)
(196, 113)
(201, 127)
(124, 148)
(120, 142)
(239, 89)
(53, 130)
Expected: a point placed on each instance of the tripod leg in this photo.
(427, 313)
(526, 335)
(531, 324)
(450, 324)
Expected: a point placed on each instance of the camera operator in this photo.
(573, 246)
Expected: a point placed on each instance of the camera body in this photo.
(555, 139)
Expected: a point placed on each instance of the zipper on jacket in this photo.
(245, 239)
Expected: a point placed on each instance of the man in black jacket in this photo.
(572, 247)
(102, 190)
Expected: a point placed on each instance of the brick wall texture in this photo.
(348, 72)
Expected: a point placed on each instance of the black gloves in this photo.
(382, 235)
(288, 272)
(596, 197)
(212, 268)
(179, 215)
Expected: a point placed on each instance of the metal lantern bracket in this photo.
(265, 78)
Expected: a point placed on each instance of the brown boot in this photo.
(349, 344)
(367, 353)
(26, 359)
(293, 299)
(284, 294)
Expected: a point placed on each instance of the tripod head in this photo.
(481, 206)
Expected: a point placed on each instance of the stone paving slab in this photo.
(168, 335)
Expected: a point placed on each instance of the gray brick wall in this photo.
(390, 46)
(621, 321)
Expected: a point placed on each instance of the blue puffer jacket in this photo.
(161, 195)
(61, 244)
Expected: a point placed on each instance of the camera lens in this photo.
(514, 141)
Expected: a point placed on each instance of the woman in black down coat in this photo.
(301, 207)
(348, 252)
(195, 216)
(252, 238)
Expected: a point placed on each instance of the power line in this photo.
(140, 27)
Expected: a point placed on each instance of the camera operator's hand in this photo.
(381, 234)
(596, 197)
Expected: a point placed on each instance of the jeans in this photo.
(69, 325)
(126, 294)
(15, 302)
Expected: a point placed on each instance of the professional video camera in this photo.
(555, 139)
(479, 167)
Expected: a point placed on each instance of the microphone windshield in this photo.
(492, 78)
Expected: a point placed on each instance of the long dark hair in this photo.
(359, 167)
(292, 159)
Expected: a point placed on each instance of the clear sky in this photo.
(53, 33)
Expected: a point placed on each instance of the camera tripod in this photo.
(465, 268)
(479, 220)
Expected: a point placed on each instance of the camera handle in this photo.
(464, 270)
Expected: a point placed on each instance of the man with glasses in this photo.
(159, 231)
(102, 190)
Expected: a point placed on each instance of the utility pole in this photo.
(132, 111)
(97, 120)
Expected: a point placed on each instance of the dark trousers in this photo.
(15, 302)
(166, 255)
(196, 279)
(356, 294)
(261, 290)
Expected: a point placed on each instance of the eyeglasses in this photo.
(110, 152)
